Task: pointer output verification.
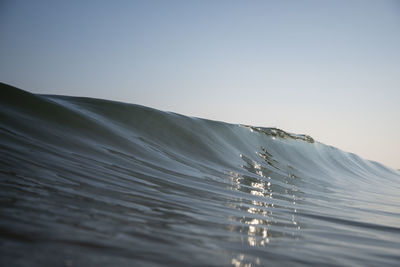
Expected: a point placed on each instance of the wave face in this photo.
(88, 182)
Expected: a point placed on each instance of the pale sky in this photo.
(330, 69)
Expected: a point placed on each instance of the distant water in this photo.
(89, 182)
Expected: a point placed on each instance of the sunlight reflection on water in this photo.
(270, 205)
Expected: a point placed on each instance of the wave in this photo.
(94, 182)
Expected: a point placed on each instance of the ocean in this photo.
(90, 182)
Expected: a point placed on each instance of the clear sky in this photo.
(330, 69)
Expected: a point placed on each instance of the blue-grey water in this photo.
(89, 182)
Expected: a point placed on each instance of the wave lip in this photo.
(96, 182)
(275, 132)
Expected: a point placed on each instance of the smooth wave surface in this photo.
(89, 182)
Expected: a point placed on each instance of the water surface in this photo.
(89, 182)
